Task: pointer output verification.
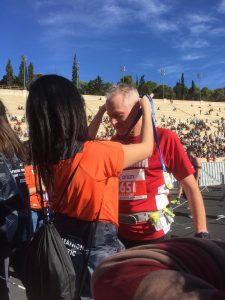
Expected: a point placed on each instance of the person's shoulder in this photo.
(102, 145)
(5, 160)
(166, 133)
(2, 157)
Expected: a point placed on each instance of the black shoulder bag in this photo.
(15, 214)
(49, 272)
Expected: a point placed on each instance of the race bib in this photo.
(132, 185)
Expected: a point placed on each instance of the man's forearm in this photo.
(196, 203)
(95, 123)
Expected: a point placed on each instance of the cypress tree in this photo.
(22, 77)
(30, 76)
(182, 86)
(75, 75)
(9, 73)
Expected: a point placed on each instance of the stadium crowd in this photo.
(206, 136)
(200, 131)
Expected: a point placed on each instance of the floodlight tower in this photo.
(199, 77)
(24, 72)
(122, 70)
(163, 74)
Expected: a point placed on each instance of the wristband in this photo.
(203, 235)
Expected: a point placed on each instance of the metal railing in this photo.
(211, 174)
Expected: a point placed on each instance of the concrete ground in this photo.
(182, 227)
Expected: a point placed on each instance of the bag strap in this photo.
(47, 212)
(67, 184)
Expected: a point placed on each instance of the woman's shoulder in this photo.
(103, 156)
(12, 163)
(102, 145)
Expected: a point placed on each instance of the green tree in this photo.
(146, 87)
(4, 80)
(30, 77)
(168, 92)
(177, 90)
(218, 95)
(150, 86)
(83, 87)
(182, 87)
(193, 92)
(22, 76)
(137, 81)
(106, 86)
(128, 79)
(75, 75)
(95, 87)
(141, 86)
(206, 94)
(9, 73)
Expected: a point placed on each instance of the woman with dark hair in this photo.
(60, 144)
(14, 199)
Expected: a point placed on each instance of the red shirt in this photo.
(176, 162)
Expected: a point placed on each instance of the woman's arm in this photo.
(137, 152)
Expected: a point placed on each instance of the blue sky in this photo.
(142, 35)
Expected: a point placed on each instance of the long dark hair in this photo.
(57, 122)
(10, 143)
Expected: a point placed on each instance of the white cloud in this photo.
(43, 3)
(192, 43)
(190, 57)
(163, 25)
(197, 29)
(146, 8)
(100, 15)
(221, 7)
(171, 69)
(146, 65)
(198, 23)
(95, 18)
(219, 31)
(154, 14)
(199, 18)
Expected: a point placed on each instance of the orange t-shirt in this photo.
(101, 162)
(35, 199)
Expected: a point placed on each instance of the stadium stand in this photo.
(199, 123)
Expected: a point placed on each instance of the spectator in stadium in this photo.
(14, 199)
(196, 165)
(35, 198)
(144, 192)
(60, 143)
(195, 162)
(33, 185)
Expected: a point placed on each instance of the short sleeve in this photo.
(114, 158)
(108, 156)
(177, 160)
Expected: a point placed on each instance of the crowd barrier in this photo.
(212, 173)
